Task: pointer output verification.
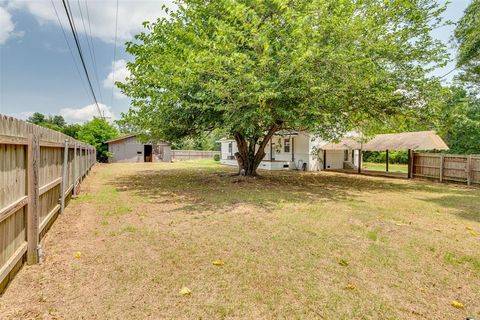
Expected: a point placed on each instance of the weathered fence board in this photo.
(447, 167)
(178, 155)
(31, 178)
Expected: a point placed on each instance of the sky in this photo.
(38, 72)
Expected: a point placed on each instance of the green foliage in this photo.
(56, 123)
(36, 118)
(207, 141)
(257, 66)
(467, 34)
(459, 122)
(216, 157)
(95, 133)
(72, 130)
(380, 157)
(52, 122)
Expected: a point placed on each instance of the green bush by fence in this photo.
(380, 157)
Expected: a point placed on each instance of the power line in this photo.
(93, 45)
(90, 50)
(114, 53)
(446, 74)
(77, 42)
(70, 49)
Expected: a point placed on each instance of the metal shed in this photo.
(130, 149)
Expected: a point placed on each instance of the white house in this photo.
(295, 151)
(304, 151)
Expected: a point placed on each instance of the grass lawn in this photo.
(294, 245)
(392, 167)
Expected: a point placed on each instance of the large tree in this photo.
(95, 132)
(467, 34)
(256, 67)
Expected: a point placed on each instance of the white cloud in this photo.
(119, 72)
(24, 115)
(101, 14)
(86, 113)
(6, 25)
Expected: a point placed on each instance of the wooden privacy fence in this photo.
(447, 167)
(193, 154)
(39, 170)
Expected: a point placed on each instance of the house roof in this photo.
(121, 138)
(420, 140)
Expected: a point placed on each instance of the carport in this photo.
(405, 141)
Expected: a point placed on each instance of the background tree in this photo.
(56, 123)
(458, 121)
(467, 34)
(95, 133)
(255, 67)
(36, 118)
(72, 130)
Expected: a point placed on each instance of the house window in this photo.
(345, 157)
(286, 147)
(230, 148)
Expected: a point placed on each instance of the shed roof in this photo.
(121, 138)
(420, 140)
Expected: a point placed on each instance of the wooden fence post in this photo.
(469, 170)
(64, 176)
(74, 192)
(441, 167)
(33, 164)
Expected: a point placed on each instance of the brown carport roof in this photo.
(420, 140)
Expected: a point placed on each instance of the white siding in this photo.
(130, 150)
(127, 150)
(335, 159)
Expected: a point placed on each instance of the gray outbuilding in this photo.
(130, 149)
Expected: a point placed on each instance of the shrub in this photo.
(216, 157)
(379, 157)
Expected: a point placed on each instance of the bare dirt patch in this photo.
(295, 245)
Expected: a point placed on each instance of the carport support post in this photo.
(386, 160)
(410, 164)
(324, 159)
(360, 160)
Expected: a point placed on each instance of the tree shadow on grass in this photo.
(467, 205)
(200, 189)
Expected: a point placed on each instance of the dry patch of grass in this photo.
(294, 245)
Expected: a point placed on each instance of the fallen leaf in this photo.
(457, 304)
(185, 291)
(343, 262)
(78, 254)
(469, 228)
(351, 286)
(218, 263)
(473, 233)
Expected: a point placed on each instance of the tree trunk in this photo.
(248, 159)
